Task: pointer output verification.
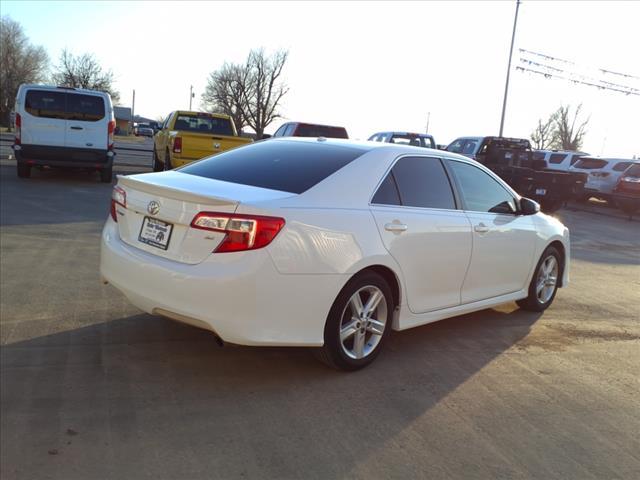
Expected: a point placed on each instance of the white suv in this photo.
(558, 159)
(64, 127)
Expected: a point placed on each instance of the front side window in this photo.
(417, 182)
(480, 191)
(470, 147)
(622, 166)
(456, 146)
(557, 158)
(46, 104)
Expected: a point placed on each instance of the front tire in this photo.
(358, 323)
(24, 170)
(544, 283)
(158, 166)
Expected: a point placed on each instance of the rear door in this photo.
(503, 241)
(44, 119)
(87, 121)
(415, 211)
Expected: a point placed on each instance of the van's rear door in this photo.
(43, 117)
(87, 121)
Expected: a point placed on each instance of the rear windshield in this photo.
(590, 163)
(305, 130)
(412, 140)
(277, 165)
(622, 166)
(88, 108)
(203, 124)
(64, 105)
(46, 104)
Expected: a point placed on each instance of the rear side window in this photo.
(622, 166)
(278, 165)
(387, 193)
(633, 171)
(203, 124)
(88, 108)
(305, 130)
(591, 163)
(557, 158)
(45, 104)
(421, 182)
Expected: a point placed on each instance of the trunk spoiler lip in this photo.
(174, 193)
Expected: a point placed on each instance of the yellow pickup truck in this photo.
(188, 136)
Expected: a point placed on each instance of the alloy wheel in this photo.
(364, 319)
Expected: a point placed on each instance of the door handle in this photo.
(76, 128)
(481, 228)
(395, 227)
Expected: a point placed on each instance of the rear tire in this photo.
(106, 175)
(158, 166)
(24, 170)
(358, 323)
(544, 283)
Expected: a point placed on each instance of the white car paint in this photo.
(281, 294)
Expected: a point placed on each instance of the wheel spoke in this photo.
(348, 330)
(376, 327)
(356, 304)
(358, 344)
(373, 302)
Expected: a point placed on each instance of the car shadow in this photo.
(145, 394)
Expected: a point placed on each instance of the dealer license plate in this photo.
(541, 191)
(155, 232)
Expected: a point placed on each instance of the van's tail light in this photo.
(177, 145)
(630, 179)
(111, 130)
(243, 232)
(18, 139)
(118, 197)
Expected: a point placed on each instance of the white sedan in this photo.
(328, 243)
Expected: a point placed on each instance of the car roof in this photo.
(33, 86)
(313, 124)
(397, 132)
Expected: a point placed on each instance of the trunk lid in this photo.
(167, 202)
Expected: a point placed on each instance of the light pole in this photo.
(190, 96)
(506, 85)
(428, 118)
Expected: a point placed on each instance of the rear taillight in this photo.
(599, 174)
(177, 145)
(118, 197)
(630, 179)
(110, 131)
(18, 138)
(243, 232)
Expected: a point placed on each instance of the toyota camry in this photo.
(328, 244)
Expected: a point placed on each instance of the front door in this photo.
(503, 240)
(415, 211)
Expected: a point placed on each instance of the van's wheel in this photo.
(158, 166)
(106, 175)
(167, 161)
(358, 323)
(544, 283)
(24, 170)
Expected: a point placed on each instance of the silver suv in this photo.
(603, 174)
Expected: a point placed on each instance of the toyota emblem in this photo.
(153, 208)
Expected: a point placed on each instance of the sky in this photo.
(368, 66)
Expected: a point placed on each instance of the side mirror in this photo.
(528, 206)
(265, 136)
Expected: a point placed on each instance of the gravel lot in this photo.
(92, 388)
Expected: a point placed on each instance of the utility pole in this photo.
(133, 109)
(506, 85)
(428, 118)
(190, 95)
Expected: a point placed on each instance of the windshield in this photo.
(414, 140)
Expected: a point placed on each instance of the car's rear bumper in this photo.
(239, 296)
(63, 156)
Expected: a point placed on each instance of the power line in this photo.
(633, 91)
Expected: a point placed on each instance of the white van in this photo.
(64, 127)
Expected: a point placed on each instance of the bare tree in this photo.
(570, 131)
(250, 93)
(544, 136)
(20, 62)
(84, 71)
(223, 93)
